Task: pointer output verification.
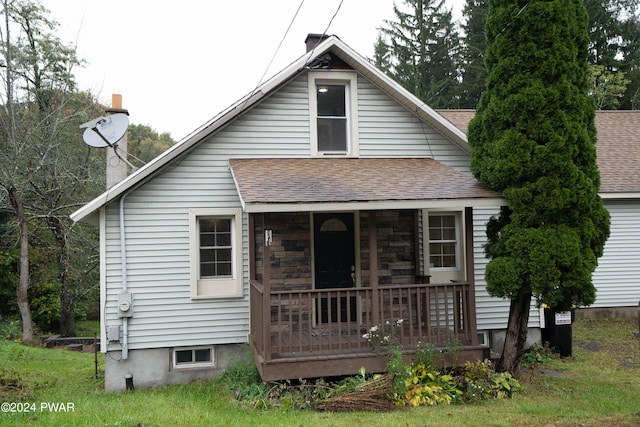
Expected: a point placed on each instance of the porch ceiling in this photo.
(264, 184)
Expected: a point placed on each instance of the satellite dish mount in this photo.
(106, 132)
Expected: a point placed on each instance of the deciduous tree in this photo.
(44, 168)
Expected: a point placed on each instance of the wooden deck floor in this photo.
(339, 360)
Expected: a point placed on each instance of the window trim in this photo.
(350, 81)
(194, 364)
(457, 216)
(215, 287)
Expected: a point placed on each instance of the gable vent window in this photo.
(332, 118)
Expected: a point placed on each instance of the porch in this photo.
(299, 330)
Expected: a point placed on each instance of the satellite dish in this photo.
(105, 131)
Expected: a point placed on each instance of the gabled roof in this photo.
(332, 44)
(268, 185)
(618, 149)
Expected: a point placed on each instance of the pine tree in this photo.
(533, 140)
(474, 71)
(421, 50)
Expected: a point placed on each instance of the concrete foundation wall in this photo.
(607, 312)
(153, 367)
(534, 336)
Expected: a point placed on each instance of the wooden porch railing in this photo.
(317, 321)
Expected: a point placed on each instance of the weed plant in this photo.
(597, 386)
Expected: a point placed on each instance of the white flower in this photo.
(365, 336)
(373, 329)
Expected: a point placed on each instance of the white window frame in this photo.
(194, 364)
(216, 287)
(458, 253)
(350, 81)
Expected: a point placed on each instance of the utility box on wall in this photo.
(558, 331)
(125, 304)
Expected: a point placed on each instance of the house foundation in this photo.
(534, 336)
(155, 367)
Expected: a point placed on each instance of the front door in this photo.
(334, 256)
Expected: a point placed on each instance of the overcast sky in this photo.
(177, 64)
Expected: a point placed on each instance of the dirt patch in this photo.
(587, 345)
(9, 390)
(549, 372)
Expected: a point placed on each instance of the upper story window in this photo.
(332, 118)
(334, 113)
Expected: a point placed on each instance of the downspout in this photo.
(123, 267)
(125, 299)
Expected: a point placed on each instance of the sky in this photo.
(178, 64)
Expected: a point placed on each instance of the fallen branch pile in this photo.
(372, 396)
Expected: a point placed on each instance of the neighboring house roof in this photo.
(263, 184)
(88, 212)
(618, 148)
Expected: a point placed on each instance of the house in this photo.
(617, 276)
(328, 201)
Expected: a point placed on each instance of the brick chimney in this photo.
(314, 40)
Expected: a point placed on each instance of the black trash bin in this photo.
(557, 331)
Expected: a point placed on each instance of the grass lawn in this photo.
(598, 386)
(86, 328)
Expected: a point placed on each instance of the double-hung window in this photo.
(334, 113)
(332, 118)
(443, 241)
(215, 249)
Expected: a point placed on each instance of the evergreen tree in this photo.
(533, 140)
(421, 50)
(614, 30)
(614, 47)
(474, 71)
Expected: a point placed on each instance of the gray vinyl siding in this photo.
(158, 276)
(387, 129)
(491, 313)
(617, 277)
(156, 214)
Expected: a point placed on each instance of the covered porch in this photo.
(323, 274)
(302, 329)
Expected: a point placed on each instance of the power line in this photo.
(273, 56)
(280, 44)
(324, 33)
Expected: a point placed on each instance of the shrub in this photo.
(537, 355)
(478, 381)
(425, 385)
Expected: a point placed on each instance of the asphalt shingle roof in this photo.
(618, 146)
(351, 180)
